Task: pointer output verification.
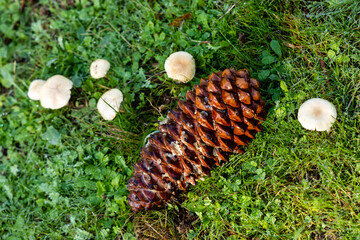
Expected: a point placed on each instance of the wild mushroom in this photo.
(180, 66)
(317, 114)
(109, 103)
(99, 68)
(34, 89)
(56, 92)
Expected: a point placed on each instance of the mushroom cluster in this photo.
(109, 103)
(53, 93)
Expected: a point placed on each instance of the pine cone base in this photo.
(218, 117)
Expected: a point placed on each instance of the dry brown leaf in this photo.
(180, 19)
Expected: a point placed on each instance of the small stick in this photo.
(22, 5)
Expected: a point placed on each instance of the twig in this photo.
(154, 107)
(103, 86)
(155, 230)
(22, 5)
(113, 128)
(230, 8)
(18, 88)
(292, 46)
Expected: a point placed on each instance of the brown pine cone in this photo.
(219, 117)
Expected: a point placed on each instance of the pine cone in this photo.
(219, 117)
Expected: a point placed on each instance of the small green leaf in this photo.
(346, 59)
(274, 77)
(268, 60)
(3, 52)
(331, 54)
(283, 86)
(20, 222)
(61, 42)
(92, 102)
(265, 53)
(6, 78)
(81, 33)
(77, 80)
(100, 188)
(263, 74)
(8, 191)
(7, 30)
(192, 234)
(342, 59)
(202, 18)
(96, 4)
(52, 136)
(162, 36)
(115, 181)
(280, 112)
(129, 236)
(335, 47)
(275, 46)
(40, 202)
(14, 169)
(206, 221)
(121, 161)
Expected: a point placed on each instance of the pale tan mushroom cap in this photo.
(180, 66)
(317, 114)
(99, 68)
(56, 92)
(109, 103)
(34, 89)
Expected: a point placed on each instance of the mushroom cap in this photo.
(99, 68)
(180, 66)
(317, 114)
(34, 89)
(109, 103)
(56, 92)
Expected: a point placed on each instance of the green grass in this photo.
(63, 172)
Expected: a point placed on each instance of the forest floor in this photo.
(63, 172)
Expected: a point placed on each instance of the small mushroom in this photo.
(99, 68)
(180, 66)
(56, 92)
(317, 114)
(34, 89)
(109, 103)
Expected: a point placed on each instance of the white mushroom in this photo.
(317, 114)
(34, 89)
(180, 66)
(56, 92)
(109, 103)
(99, 68)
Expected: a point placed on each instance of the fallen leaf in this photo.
(178, 20)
